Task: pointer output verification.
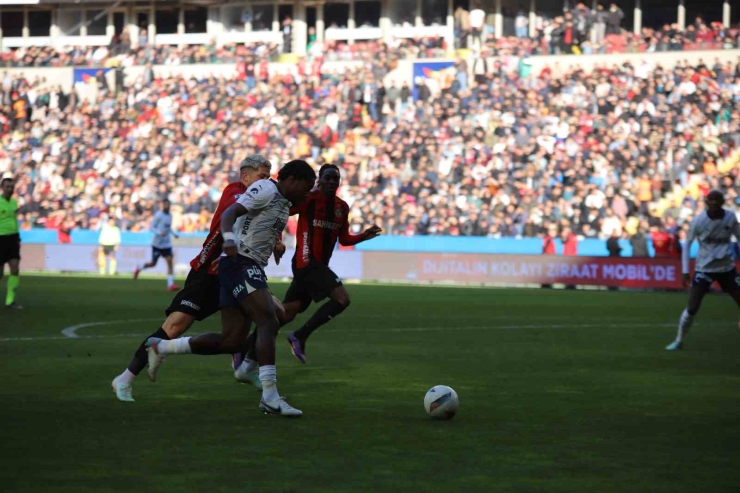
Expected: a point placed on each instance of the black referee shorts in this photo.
(10, 248)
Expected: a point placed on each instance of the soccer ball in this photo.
(441, 402)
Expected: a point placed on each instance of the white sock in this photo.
(250, 365)
(170, 280)
(268, 377)
(126, 377)
(684, 325)
(175, 346)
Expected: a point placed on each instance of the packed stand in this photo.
(584, 31)
(122, 54)
(611, 153)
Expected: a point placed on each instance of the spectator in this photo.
(521, 23)
(477, 22)
(639, 243)
(612, 245)
(661, 242)
(614, 20)
(570, 242)
(600, 17)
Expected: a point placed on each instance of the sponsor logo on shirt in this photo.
(304, 249)
(320, 223)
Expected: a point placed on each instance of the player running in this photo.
(162, 244)
(713, 229)
(323, 219)
(10, 239)
(259, 216)
(199, 298)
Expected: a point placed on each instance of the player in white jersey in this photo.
(250, 230)
(162, 244)
(714, 230)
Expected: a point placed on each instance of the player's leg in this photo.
(297, 300)
(170, 272)
(730, 284)
(197, 301)
(14, 281)
(102, 256)
(234, 328)
(112, 263)
(148, 265)
(259, 305)
(235, 276)
(324, 282)
(245, 363)
(174, 326)
(699, 287)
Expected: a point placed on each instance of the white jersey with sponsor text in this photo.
(162, 228)
(267, 214)
(715, 242)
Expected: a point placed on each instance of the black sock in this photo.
(140, 359)
(328, 310)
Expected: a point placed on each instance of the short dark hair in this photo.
(299, 169)
(327, 167)
(716, 195)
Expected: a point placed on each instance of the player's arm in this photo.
(686, 253)
(253, 200)
(228, 218)
(348, 239)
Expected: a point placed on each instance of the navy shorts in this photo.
(239, 277)
(160, 252)
(729, 281)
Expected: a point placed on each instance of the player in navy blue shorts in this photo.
(714, 230)
(162, 245)
(250, 229)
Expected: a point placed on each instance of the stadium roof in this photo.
(102, 3)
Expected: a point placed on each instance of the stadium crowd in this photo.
(608, 153)
(579, 30)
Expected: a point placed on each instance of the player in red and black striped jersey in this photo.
(323, 220)
(199, 297)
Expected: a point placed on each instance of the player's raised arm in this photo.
(348, 239)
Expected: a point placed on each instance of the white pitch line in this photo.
(71, 332)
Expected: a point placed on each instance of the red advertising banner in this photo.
(660, 273)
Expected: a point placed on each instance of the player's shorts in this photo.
(199, 297)
(239, 277)
(160, 252)
(108, 249)
(10, 248)
(314, 282)
(729, 281)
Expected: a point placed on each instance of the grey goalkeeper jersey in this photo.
(267, 214)
(715, 247)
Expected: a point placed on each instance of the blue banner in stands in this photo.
(436, 76)
(87, 75)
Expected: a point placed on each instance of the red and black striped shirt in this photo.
(212, 246)
(322, 220)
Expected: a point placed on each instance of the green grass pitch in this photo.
(560, 391)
